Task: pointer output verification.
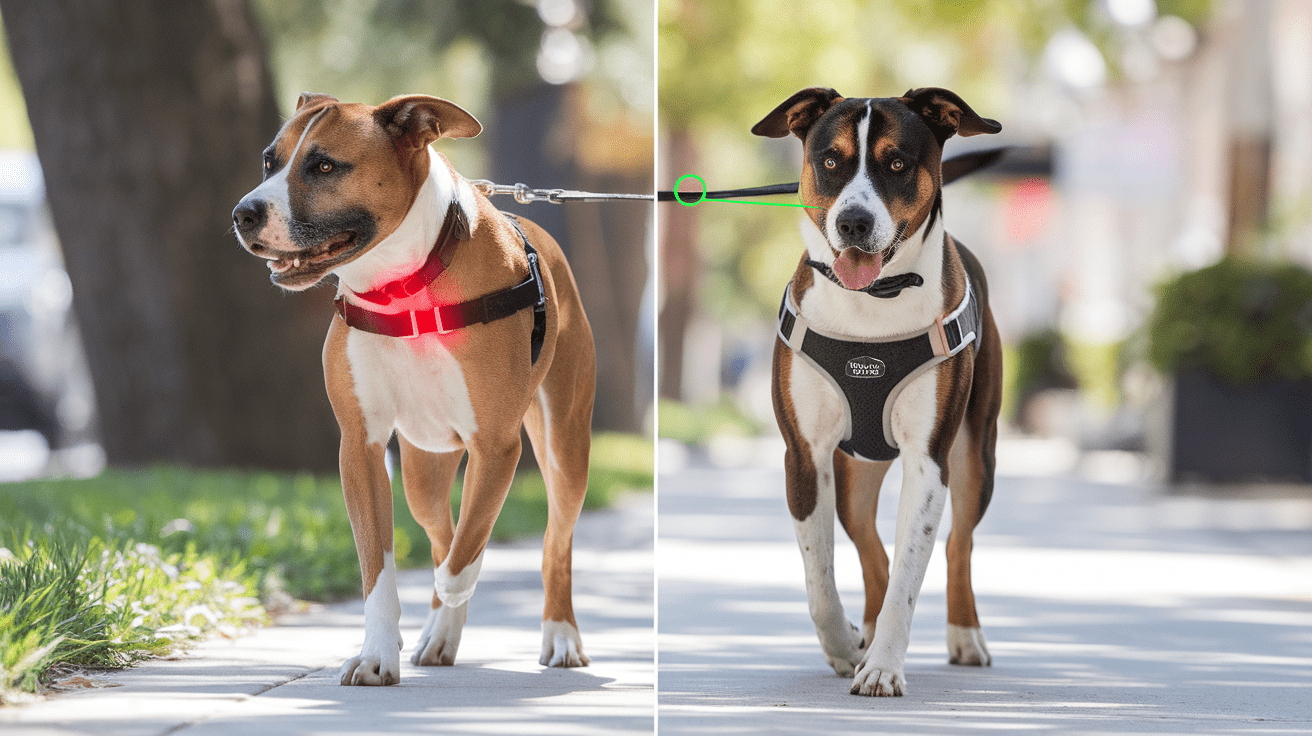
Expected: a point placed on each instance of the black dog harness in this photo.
(447, 317)
(869, 374)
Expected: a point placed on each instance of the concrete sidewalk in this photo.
(1107, 609)
(283, 679)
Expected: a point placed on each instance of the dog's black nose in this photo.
(855, 224)
(249, 216)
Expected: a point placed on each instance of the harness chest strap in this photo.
(531, 292)
(869, 374)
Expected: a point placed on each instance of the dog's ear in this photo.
(798, 113)
(314, 98)
(947, 114)
(417, 120)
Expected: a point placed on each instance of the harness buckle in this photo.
(416, 330)
(537, 279)
(938, 338)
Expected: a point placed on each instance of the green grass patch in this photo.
(106, 570)
(75, 601)
(291, 530)
(696, 424)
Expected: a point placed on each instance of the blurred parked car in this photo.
(43, 380)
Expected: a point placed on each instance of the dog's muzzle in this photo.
(855, 229)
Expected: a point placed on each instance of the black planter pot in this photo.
(1257, 432)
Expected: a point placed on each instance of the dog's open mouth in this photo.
(310, 264)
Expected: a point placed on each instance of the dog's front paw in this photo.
(878, 680)
(456, 590)
(966, 646)
(844, 654)
(373, 668)
(561, 645)
(441, 637)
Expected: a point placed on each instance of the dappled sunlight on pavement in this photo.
(284, 679)
(1107, 609)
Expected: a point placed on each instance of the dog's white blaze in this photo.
(456, 590)
(561, 645)
(277, 198)
(440, 638)
(860, 192)
(382, 627)
(406, 248)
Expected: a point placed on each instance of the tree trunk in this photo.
(149, 119)
(680, 265)
(531, 139)
(1251, 126)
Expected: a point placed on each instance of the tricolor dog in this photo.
(885, 346)
(455, 324)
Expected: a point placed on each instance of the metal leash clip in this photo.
(524, 194)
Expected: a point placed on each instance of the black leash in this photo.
(953, 168)
(687, 197)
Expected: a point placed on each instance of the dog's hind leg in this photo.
(857, 484)
(428, 477)
(559, 428)
(971, 479)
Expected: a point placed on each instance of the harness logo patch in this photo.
(865, 367)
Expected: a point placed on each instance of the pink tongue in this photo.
(857, 271)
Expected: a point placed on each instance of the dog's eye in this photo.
(268, 164)
(896, 164)
(830, 163)
(325, 167)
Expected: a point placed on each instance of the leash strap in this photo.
(448, 317)
(953, 168)
(765, 191)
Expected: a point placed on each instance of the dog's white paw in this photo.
(440, 638)
(843, 654)
(966, 647)
(561, 645)
(879, 680)
(456, 590)
(375, 665)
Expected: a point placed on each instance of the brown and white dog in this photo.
(354, 190)
(872, 172)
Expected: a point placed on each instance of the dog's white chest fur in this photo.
(415, 386)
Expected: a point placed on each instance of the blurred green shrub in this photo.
(1242, 321)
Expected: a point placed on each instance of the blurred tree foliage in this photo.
(473, 52)
(724, 65)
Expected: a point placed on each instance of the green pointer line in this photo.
(704, 198)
